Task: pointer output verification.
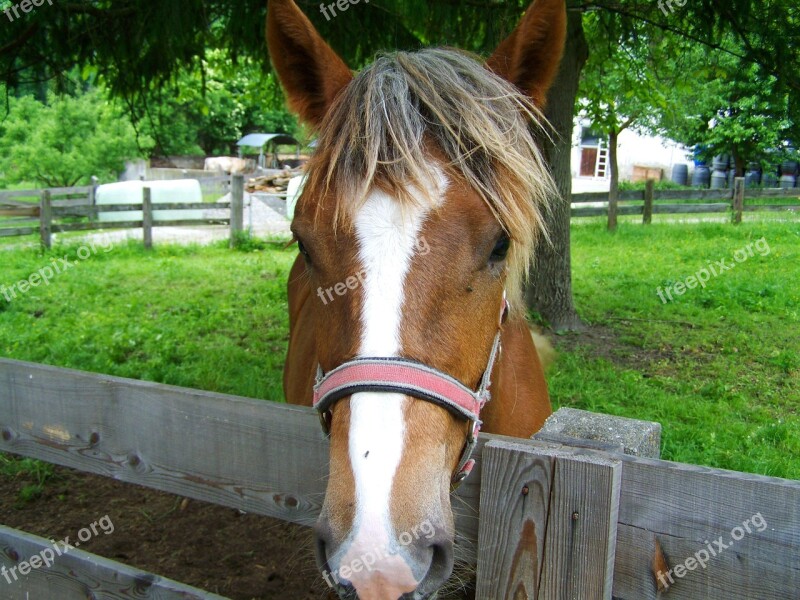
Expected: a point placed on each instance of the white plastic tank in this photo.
(170, 191)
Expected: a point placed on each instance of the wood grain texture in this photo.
(272, 459)
(548, 520)
(78, 575)
(581, 531)
(515, 501)
(253, 455)
(685, 506)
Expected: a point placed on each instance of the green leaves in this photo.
(66, 141)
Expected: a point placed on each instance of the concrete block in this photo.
(571, 426)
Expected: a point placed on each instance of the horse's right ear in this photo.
(530, 56)
(311, 72)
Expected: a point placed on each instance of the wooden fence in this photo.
(60, 210)
(540, 520)
(731, 200)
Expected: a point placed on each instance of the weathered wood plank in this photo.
(71, 203)
(599, 211)
(772, 193)
(86, 210)
(738, 200)
(9, 195)
(224, 449)
(649, 190)
(686, 505)
(237, 207)
(15, 231)
(261, 457)
(515, 500)
(28, 211)
(771, 208)
(45, 219)
(690, 208)
(147, 219)
(548, 520)
(70, 191)
(100, 225)
(77, 575)
(272, 459)
(581, 529)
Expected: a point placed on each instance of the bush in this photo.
(67, 140)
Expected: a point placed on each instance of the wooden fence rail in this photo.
(552, 520)
(735, 202)
(59, 203)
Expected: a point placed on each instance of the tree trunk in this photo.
(550, 289)
(613, 190)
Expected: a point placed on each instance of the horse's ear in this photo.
(530, 56)
(311, 72)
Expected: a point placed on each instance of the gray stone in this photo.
(605, 432)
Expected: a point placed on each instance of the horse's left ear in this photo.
(311, 72)
(530, 56)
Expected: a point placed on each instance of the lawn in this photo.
(718, 366)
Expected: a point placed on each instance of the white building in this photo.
(639, 157)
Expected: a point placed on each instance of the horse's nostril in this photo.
(440, 569)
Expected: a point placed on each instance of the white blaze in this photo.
(388, 239)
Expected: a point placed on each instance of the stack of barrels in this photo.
(719, 178)
(722, 173)
(789, 172)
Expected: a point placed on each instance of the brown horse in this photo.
(418, 218)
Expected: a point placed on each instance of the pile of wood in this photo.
(272, 183)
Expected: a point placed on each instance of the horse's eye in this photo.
(302, 249)
(500, 249)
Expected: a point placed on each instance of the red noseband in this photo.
(412, 378)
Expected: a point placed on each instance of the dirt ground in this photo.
(239, 556)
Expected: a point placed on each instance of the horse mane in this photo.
(388, 127)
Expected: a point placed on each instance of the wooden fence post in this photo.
(93, 200)
(738, 200)
(45, 219)
(147, 219)
(548, 523)
(647, 213)
(237, 207)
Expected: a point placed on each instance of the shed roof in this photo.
(258, 140)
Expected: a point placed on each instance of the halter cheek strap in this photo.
(412, 378)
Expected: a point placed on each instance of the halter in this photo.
(412, 378)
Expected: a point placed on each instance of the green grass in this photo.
(36, 471)
(209, 318)
(719, 367)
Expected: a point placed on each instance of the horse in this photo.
(415, 228)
